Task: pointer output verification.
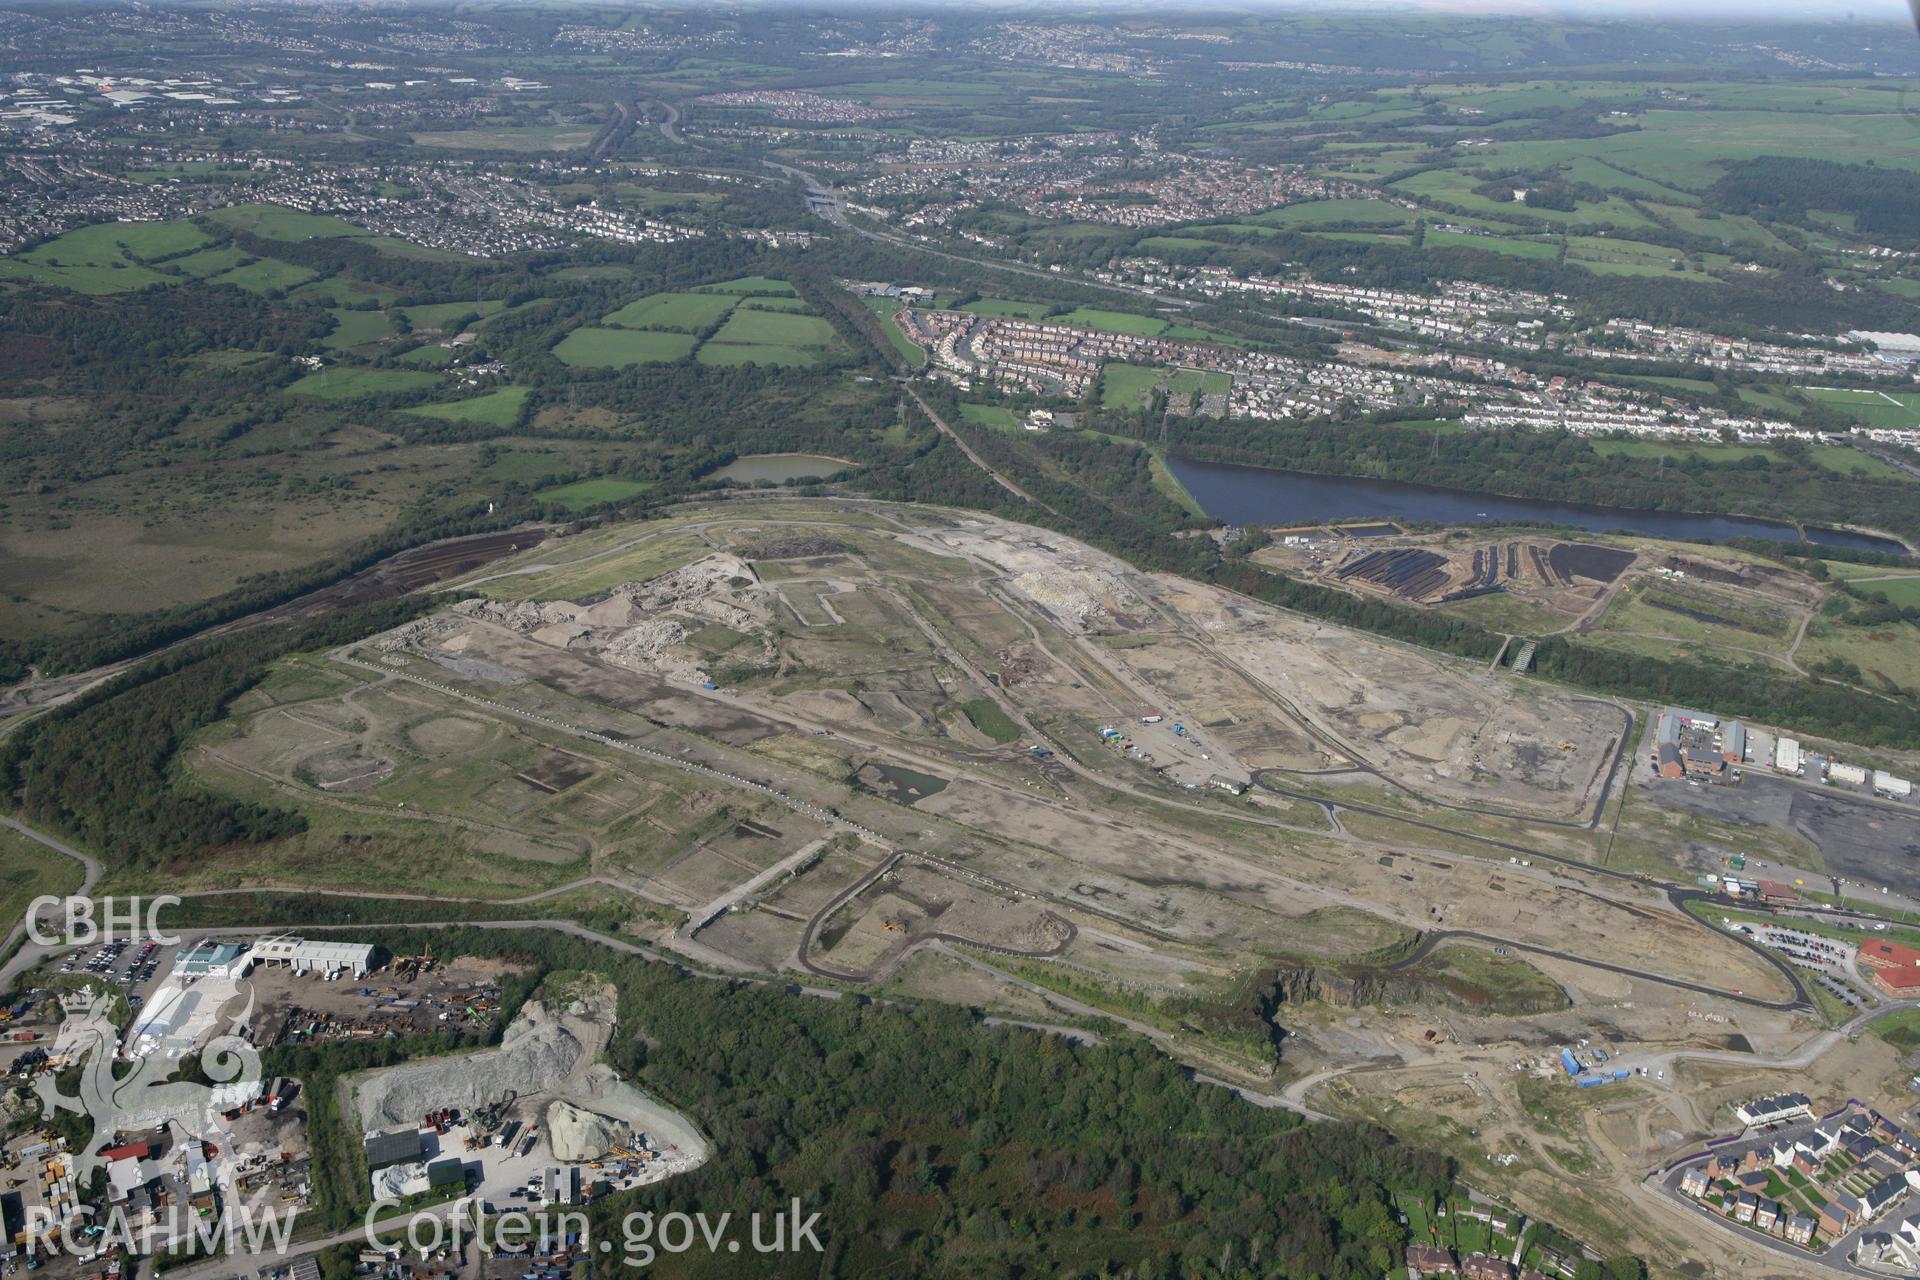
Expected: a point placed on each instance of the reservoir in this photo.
(1262, 495)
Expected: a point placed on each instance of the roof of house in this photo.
(1877, 952)
(1884, 1192)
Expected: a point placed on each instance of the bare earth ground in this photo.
(898, 780)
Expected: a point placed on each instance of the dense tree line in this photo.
(1884, 203)
(102, 768)
(931, 1145)
(1760, 693)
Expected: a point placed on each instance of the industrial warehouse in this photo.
(539, 1117)
(1689, 744)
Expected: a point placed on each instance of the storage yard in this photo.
(1442, 569)
(1861, 821)
(539, 1117)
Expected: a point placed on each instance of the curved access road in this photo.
(28, 956)
(1801, 1001)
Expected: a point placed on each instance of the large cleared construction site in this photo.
(943, 756)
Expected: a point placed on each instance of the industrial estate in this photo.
(533, 1122)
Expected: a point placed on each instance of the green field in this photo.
(1903, 591)
(272, 222)
(612, 348)
(1611, 256)
(1659, 449)
(989, 415)
(1839, 458)
(1493, 244)
(750, 285)
(1696, 615)
(500, 408)
(1884, 654)
(886, 309)
(1207, 382)
(1901, 1029)
(1682, 148)
(1874, 408)
(356, 328)
(438, 315)
(28, 869)
(681, 312)
(1007, 307)
(1455, 187)
(108, 257)
(1361, 237)
(344, 382)
(208, 262)
(729, 354)
(1127, 386)
(509, 138)
(582, 494)
(1316, 213)
(1113, 321)
(989, 719)
(767, 302)
(429, 355)
(768, 337)
(775, 329)
(1161, 244)
(343, 291)
(265, 275)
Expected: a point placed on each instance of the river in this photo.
(1261, 495)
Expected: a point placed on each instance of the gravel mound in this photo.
(578, 1134)
(535, 1052)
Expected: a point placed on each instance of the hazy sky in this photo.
(1875, 11)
